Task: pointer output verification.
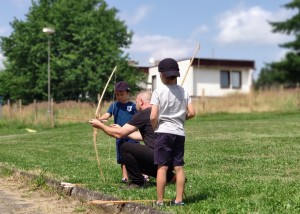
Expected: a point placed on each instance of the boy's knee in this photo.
(163, 168)
(178, 168)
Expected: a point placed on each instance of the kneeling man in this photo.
(138, 158)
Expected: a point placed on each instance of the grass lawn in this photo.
(235, 163)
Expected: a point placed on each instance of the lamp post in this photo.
(49, 31)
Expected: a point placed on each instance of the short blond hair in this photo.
(145, 95)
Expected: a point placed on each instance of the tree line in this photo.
(287, 70)
(87, 44)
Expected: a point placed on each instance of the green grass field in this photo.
(235, 163)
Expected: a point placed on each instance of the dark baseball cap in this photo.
(122, 86)
(168, 67)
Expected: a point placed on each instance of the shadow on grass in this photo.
(196, 198)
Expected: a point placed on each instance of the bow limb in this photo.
(103, 92)
(96, 151)
(196, 51)
(97, 116)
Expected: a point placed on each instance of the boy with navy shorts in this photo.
(171, 106)
(122, 110)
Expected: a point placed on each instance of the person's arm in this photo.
(105, 116)
(136, 136)
(154, 116)
(108, 114)
(190, 111)
(116, 132)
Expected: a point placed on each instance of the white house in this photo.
(217, 77)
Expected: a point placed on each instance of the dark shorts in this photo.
(169, 149)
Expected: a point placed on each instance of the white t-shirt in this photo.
(172, 101)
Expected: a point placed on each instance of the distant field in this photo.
(235, 163)
(36, 114)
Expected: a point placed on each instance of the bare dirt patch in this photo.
(21, 197)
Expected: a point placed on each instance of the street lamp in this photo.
(49, 31)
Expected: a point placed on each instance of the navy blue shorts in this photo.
(168, 149)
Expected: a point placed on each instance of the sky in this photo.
(231, 29)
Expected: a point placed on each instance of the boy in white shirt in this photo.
(171, 106)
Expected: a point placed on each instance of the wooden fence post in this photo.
(0, 107)
(35, 112)
(203, 100)
(20, 107)
(251, 99)
(281, 88)
(298, 90)
(9, 109)
(52, 113)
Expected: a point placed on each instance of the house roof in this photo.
(205, 62)
(144, 69)
(223, 63)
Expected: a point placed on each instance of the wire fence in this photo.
(264, 100)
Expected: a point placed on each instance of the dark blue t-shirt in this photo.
(122, 112)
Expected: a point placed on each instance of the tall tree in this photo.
(288, 69)
(87, 44)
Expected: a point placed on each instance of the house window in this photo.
(236, 79)
(231, 79)
(225, 79)
(153, 82)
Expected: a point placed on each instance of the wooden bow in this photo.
(94, 202)
(97, 115)
(186, 73)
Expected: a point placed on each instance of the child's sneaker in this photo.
(124, 180)
(146, 178)
(159, 203)
(180, 203)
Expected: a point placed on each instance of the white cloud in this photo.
(280, 55)
(159, 47)
(20, 3)
(250, 26)
(137, 16)
(4, 30)
(1, 61)
(199, 31)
